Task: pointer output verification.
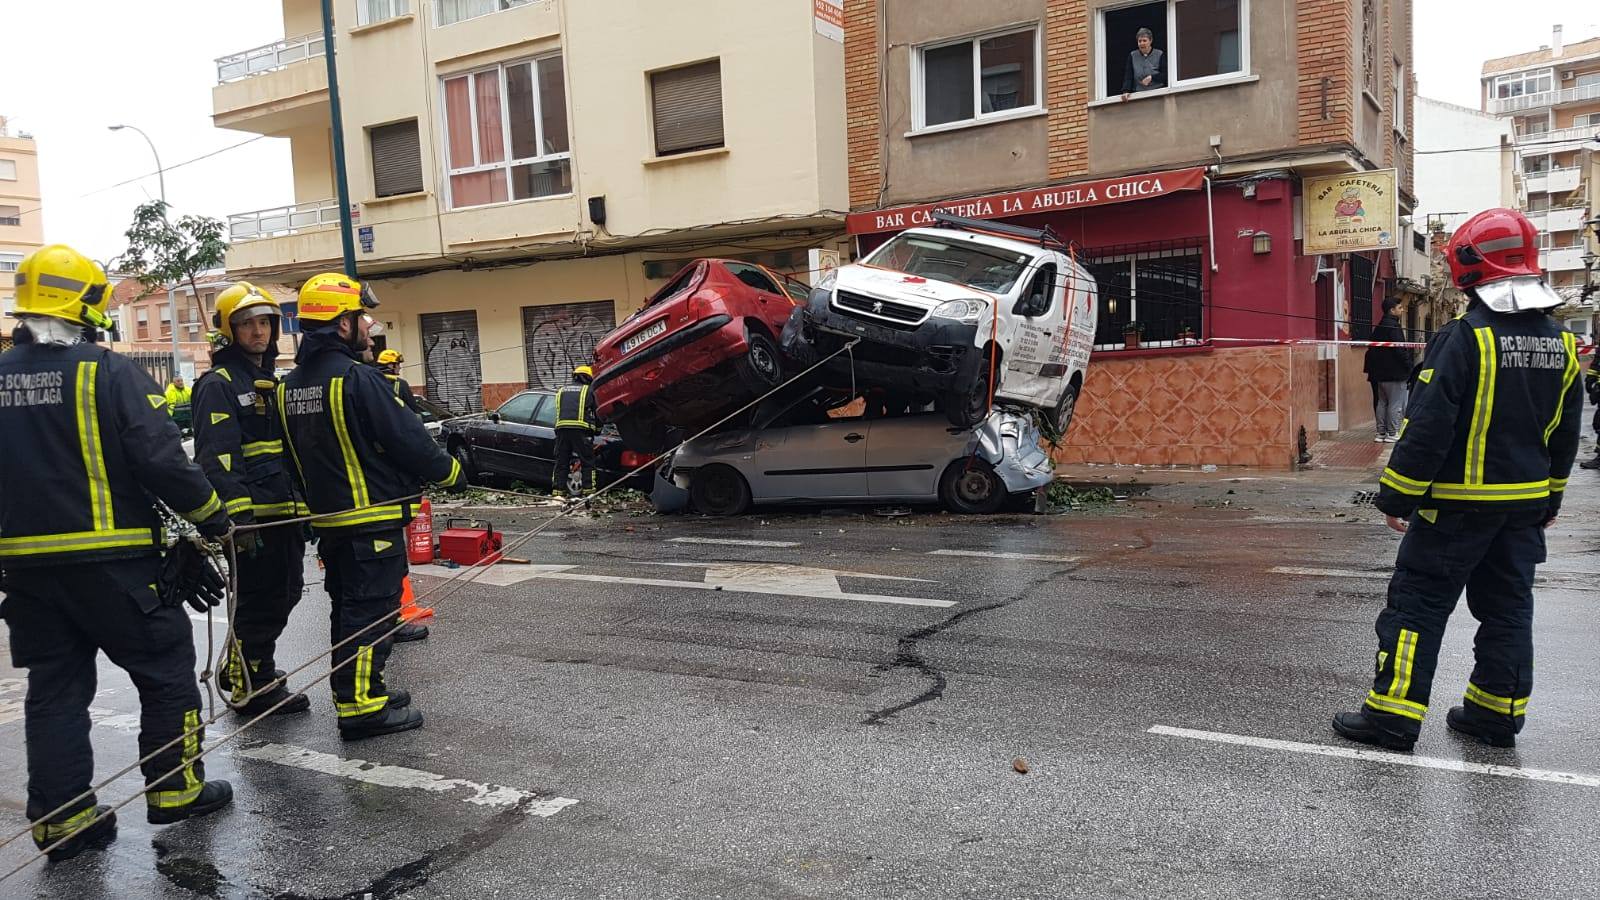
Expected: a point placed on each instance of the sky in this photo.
(114, 62)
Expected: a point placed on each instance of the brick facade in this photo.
(1325, 48)
(496, 394)
(1066, 30)
(863, 113)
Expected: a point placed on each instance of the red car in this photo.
(701, 346)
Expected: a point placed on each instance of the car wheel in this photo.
(763, 366)
(643, 432)
(1065, 407)
(463, 455)
(971, 487)
(967, 406)
(719, 491)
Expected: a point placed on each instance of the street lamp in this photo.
(172, 294)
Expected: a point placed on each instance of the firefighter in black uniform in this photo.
(87, 443)
(576, 425)
(238, 440)
(1478, 474)
(362, 457)
(389, 362)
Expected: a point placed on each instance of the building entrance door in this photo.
(1330, 290)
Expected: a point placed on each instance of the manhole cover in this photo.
(1363, 498)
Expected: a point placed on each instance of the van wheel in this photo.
(967, 406)
(762, 367)
(644, 432)
(719, 491)
(1065, 407)
(971, 487)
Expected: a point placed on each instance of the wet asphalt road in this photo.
(805, 733)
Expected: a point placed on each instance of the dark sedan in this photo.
(517, 442)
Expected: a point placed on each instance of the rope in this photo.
(448, 586)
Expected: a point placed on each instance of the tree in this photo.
(161, 252)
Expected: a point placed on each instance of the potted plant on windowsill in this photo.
(1185, 335)
(1131, 333)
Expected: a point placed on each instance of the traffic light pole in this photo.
(346, 238)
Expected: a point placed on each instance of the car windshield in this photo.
(957, 262)
(430, 411)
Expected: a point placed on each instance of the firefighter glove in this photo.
(188, 575)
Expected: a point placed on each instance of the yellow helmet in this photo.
(60, 282)
(326, 297)
(584, 370)
(389, 357)
(242, 295)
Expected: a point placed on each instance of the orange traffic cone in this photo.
(409, 610)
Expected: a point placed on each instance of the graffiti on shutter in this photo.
(451, 361)
(560, 337)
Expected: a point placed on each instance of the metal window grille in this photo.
(688, 108)
(1157, 288)
(560, 337)
(396, 159)
(452, 363)
(1362, 271)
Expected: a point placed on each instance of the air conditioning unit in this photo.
(1568, 75)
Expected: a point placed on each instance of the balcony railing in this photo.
(1548, 139)
(1545, 99)
(269, 58)
(282, 220)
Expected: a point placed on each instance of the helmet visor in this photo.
(1518, 294)
(374, 327)
(369, 300)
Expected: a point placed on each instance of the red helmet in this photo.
(1493, 245)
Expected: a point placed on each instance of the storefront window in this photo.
(1154, 290)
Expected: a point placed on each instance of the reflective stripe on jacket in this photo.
(238, 440)
(1494, 419)
(86, 442)
(575, 407)
(358, 451)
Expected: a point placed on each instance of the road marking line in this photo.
(1383, 756)
(1552, 579)
(779, 587)
(499, 574)
(983, 554)
(402, 777)
(731, 542)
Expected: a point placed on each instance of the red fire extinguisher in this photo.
(419, 535)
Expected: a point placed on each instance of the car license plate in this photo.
(632, 343)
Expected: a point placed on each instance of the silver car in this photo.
(909, 459)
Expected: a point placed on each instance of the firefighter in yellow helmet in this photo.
(363, 458)
(238, 440)
(389, 362)
(576, 424)
(88, 447)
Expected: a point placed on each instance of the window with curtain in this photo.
(453, 11)
(370, 11)
(506, 133)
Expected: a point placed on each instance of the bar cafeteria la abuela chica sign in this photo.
(1040, 200)
(1346, 213)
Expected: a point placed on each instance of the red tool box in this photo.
(469, 542)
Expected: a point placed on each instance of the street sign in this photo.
(364, 235)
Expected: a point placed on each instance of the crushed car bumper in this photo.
(1012, 443)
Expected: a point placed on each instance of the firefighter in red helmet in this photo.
(1485, 450)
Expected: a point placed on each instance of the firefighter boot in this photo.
(1359, 727)
(399, 698)
(1484, 729)
(213, 796)
(91, 829)
(411, 632)
(388, 720)
(1591, 463)
(266, 700)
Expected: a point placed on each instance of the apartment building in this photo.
(21, 218)
(1187, 197)
(144, 323)
(524, 173)
(1551, 98)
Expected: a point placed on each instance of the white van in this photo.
(935, 309)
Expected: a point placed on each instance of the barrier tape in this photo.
(1585, 348)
